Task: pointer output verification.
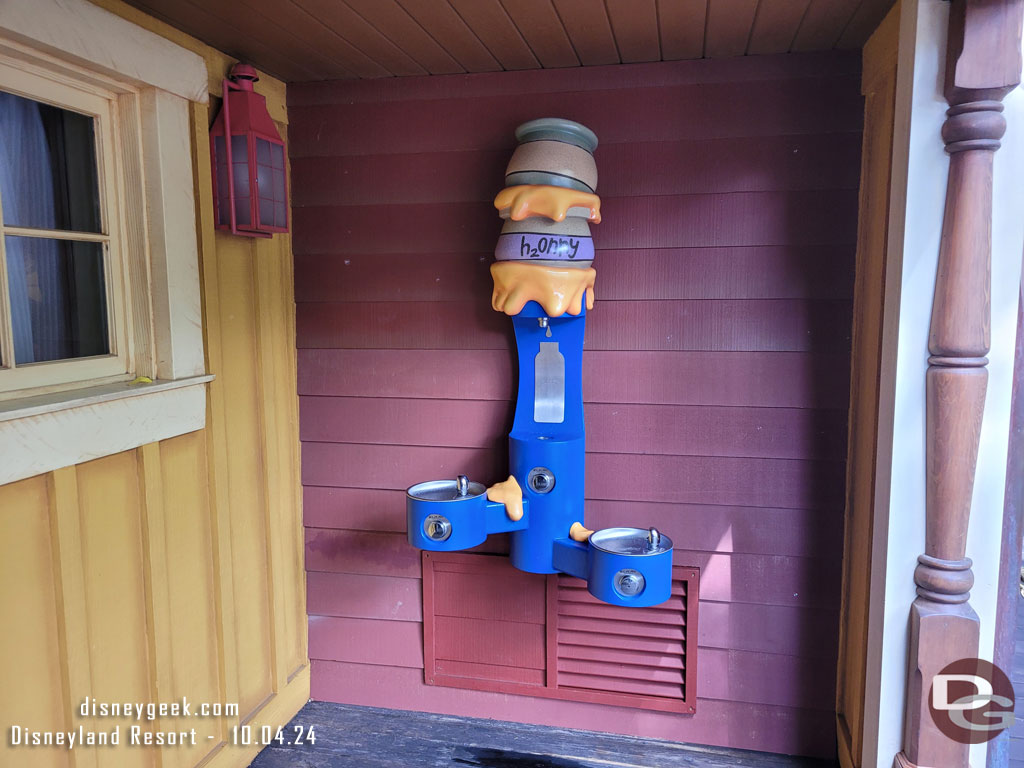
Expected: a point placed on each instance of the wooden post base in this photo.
(939, 634)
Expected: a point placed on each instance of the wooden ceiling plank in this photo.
(865, 21)
(349, 25)
(316, 37)
(775, 25)
(394, 23)
(215, 32)
(586, 23)
(635, 26)
(728, 27)
(442, 23)
(681, 24)
(823, 23)
(490, 22)
(542, 29)
(283, 28)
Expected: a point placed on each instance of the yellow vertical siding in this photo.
(175, 569)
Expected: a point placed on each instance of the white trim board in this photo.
(78, 31)
(107, 420)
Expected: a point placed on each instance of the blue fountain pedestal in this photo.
(622, 566)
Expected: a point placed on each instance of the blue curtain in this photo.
(34, 265)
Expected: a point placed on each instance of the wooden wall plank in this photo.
(790, 379)
(794, 581)
(366, 641)
(673, 112)
(881, 57)
(395, 23)
(359, 596)
(249, 551)
(490, 22)
(784, 483)
(754, 272)
(770, 728)
(739, 164)
(34, 639)
(710, 527)
(611, 428)
(541, 27)
(729, 24)
(188, 543)
(363, 553)
(666, 221)
(590, 32)
(779, 325)
(108, 504)
(442, 23)
(579, 80)
(776, 25)
(635, 26)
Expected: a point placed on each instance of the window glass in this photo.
(58, 299)
(48, 178)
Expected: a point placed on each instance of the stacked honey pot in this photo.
(545, 250)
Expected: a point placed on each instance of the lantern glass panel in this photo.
(271, 180)
(240, 161)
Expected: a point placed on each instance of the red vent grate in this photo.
(488, 626)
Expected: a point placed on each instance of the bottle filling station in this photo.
(544, 280)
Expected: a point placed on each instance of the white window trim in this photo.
(155, 79)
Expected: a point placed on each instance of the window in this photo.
(63, 304)
(99, 270)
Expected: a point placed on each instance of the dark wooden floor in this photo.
(366, 737)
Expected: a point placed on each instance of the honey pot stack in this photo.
(545, 250)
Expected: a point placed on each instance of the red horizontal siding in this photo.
(737, 724)
(360, 596)
(669, 429)
(709, 528)
(786, 379)
(752, 272)
(665, 221)
(763, 579)
(798, 484)
(742, 164)
(716, 372)
(366, 641)
(703, 72)
(782, 325)
(666, 113)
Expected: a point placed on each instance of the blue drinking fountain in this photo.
(544, 279)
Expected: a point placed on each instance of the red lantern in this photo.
(250, 193)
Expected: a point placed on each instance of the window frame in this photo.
(153, 83)
(27, 379)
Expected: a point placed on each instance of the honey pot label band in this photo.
(527, 245)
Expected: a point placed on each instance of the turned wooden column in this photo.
(982, 65)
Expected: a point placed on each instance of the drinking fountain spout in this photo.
(543, 279)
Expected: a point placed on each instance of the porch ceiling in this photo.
(300, 40)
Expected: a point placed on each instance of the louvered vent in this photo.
(625, 653)
(487, 626)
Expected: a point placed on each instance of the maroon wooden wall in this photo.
(716, 365)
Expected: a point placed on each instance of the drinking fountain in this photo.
(544, 280)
